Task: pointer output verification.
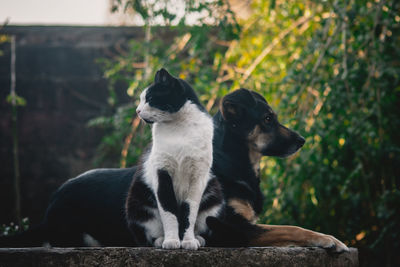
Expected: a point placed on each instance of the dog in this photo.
(89, 209)
(246, 129)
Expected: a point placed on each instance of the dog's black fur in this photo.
(241, 113)
(93, 203)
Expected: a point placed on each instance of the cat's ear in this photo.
(163, 76)
(234, 106)
(171, 84)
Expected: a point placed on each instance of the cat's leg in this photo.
(154, 229)
(142, 215)
(158, 242)
(201, 240)
(168, 208)
(188, 216)
(190, 208)
(212, 204)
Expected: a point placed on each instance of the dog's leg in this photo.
(285, 235)
(282, 235)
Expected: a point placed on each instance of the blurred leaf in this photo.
(19, 101)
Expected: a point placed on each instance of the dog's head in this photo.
(248, 115)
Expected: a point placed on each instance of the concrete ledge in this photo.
(268, 256)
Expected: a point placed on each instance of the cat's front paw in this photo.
(158, 242)
(171, 244)
(191, 244)
(201, 240)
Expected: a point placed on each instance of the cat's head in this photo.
(163, 98)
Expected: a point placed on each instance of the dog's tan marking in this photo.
(255, 158)
(282, 235)
(283, 131)
(257, 141)
(285, 235)
(231, 110)
(243, 208)
(227, 110)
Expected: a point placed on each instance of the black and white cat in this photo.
(173, 190)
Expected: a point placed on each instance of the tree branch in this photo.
(269, 48)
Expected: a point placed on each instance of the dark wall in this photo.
(58, 76)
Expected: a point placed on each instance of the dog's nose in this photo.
(300, 141)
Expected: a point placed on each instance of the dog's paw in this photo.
(158, 242)
(191, 244)
(339, 246)
(171, 244)
(201, 240)
(329, 242)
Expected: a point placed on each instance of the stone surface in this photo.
(268, 256)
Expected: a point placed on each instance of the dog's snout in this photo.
(300, 141)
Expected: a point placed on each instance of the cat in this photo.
(173, 190)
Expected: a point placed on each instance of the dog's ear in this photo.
(258, 96)
(163, 76)
(231, 111)
(234, 105)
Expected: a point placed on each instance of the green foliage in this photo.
(341, 93)
(16, 100)
(13, 229)
(190, 52)
(331, 70)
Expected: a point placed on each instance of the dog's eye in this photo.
(267, 118)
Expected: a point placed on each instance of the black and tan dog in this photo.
(89, 209)
(246, 129)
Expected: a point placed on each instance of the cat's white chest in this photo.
(182, 138)
(180, 141)
(183, 149)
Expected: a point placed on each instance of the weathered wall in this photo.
(58, 76)
(270, 256)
